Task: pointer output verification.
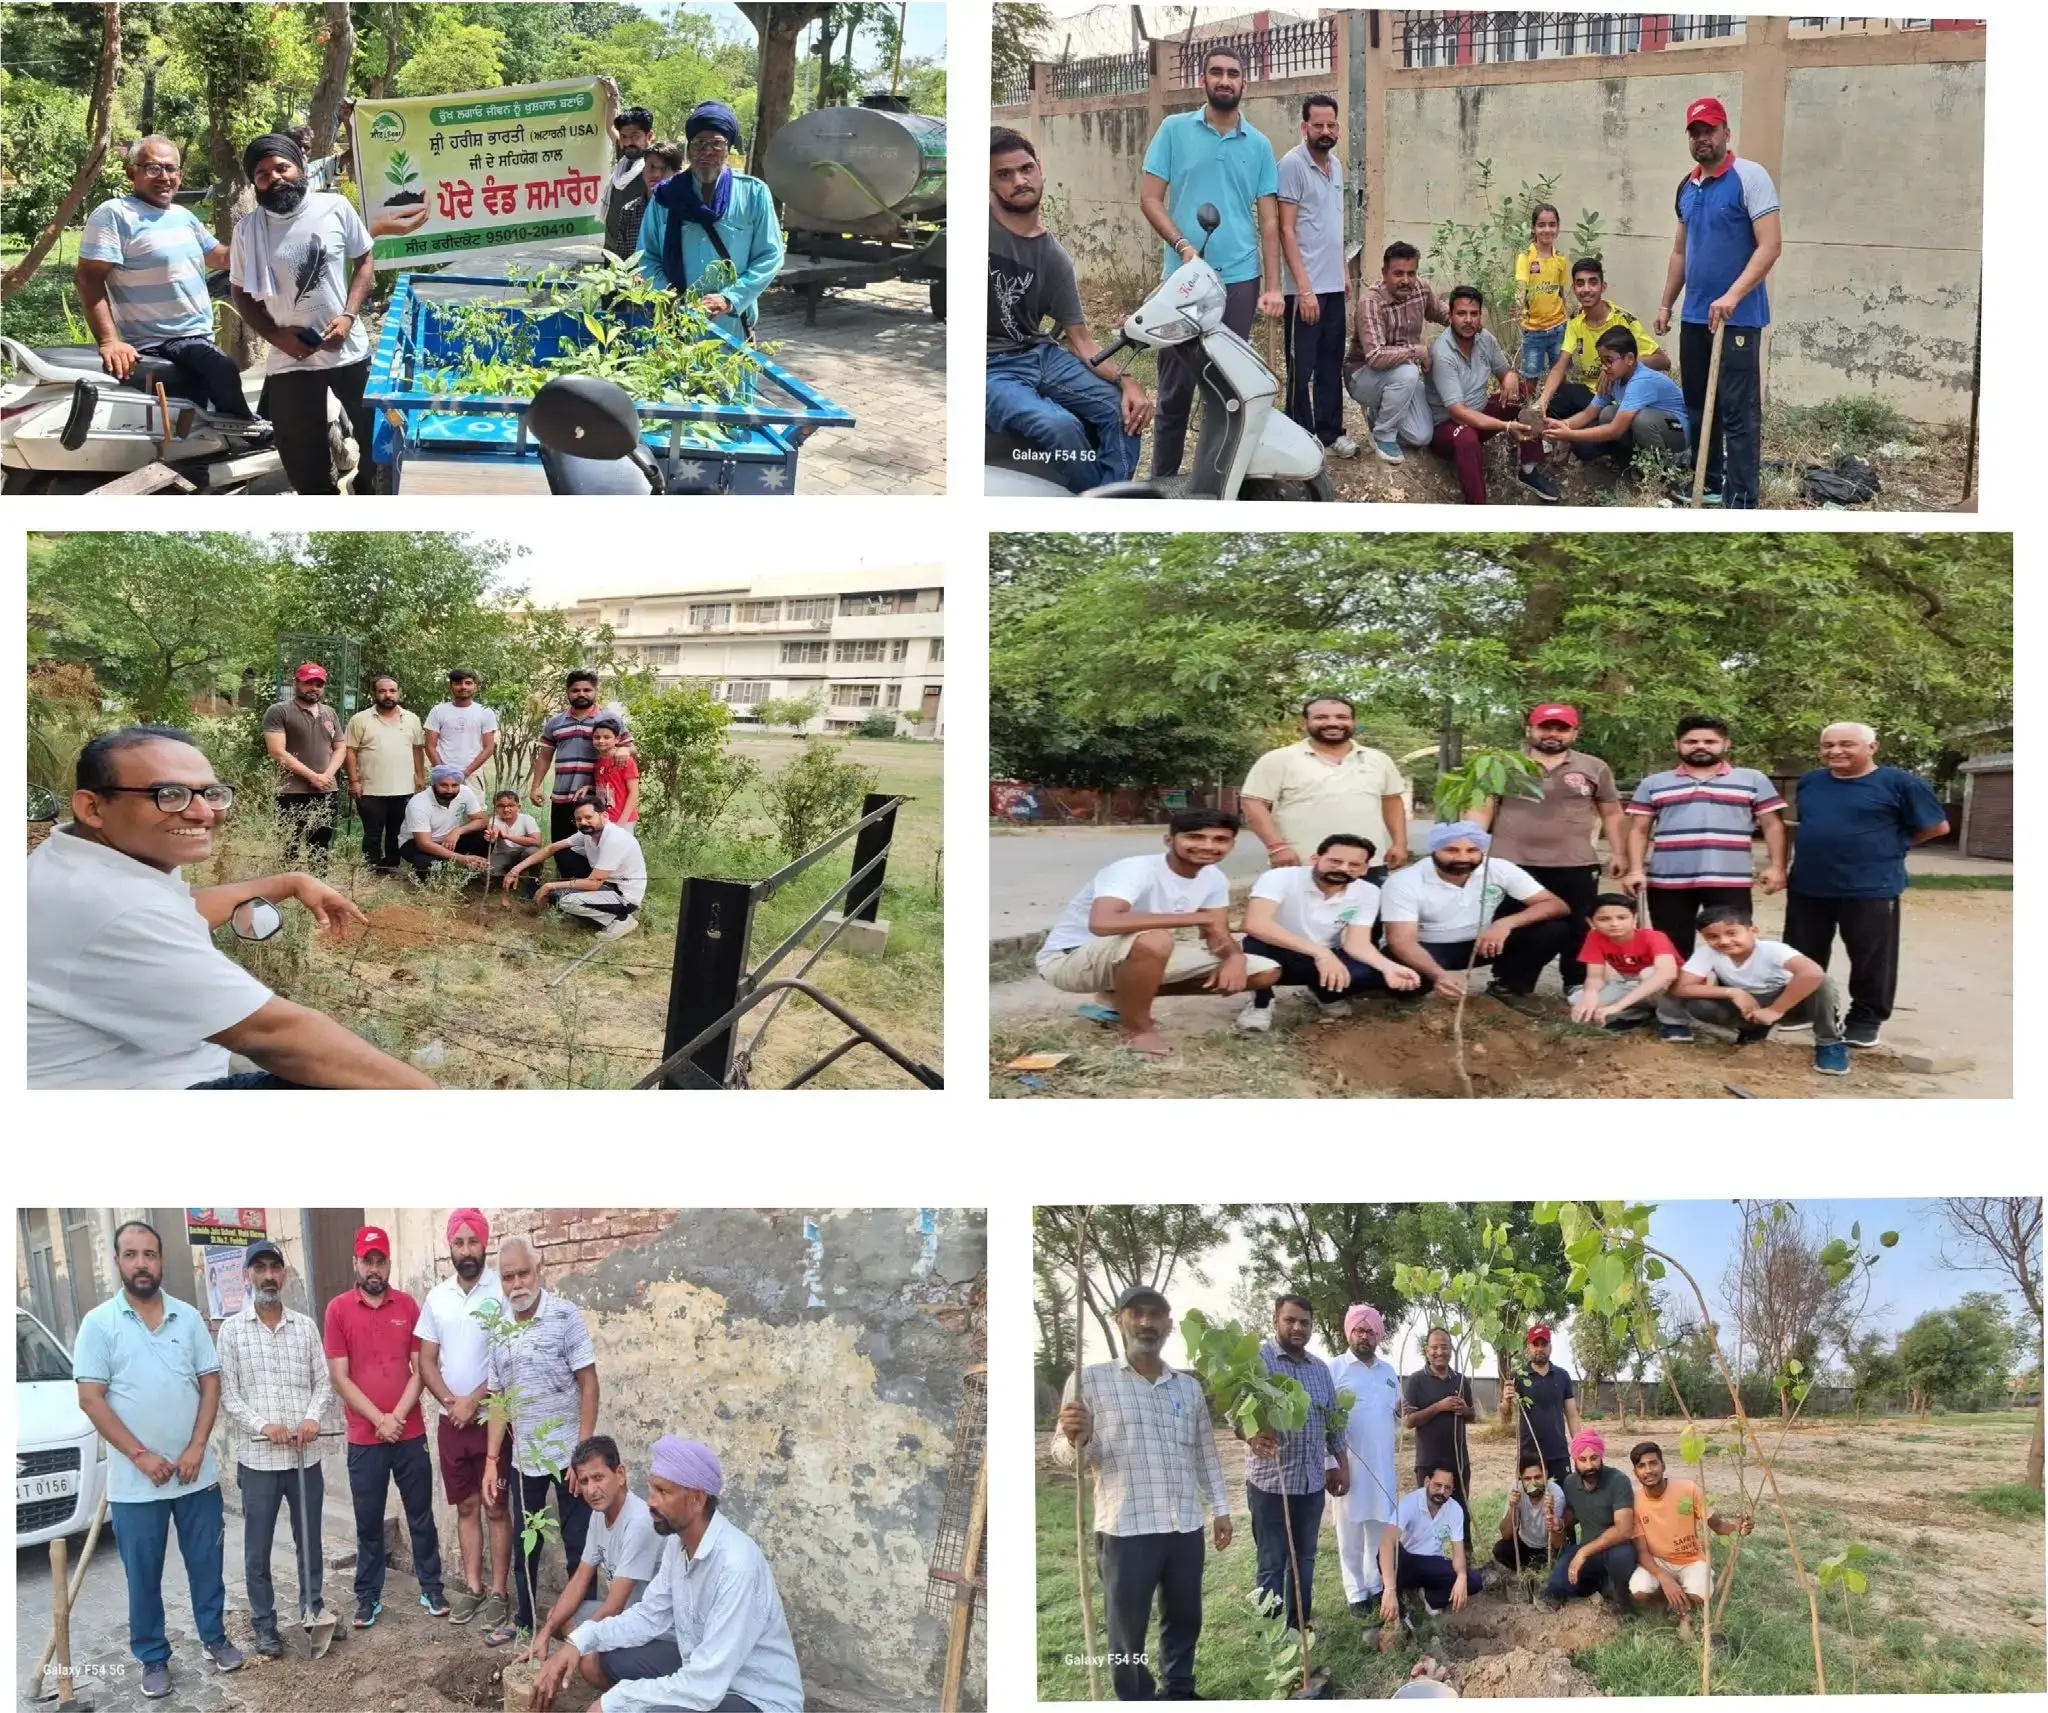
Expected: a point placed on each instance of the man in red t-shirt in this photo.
(616, 779)
(1634, 965)
(374, 1357)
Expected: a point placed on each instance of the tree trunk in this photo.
(2034, 1452)
(777, 28)
(825, 34)
(340, 30)
(102, 116)
(232, 198)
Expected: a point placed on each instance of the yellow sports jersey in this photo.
(1580, 341)
(1543, 284)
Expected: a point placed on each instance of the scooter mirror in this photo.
(255, 919)
(42, 804)
(1207, 218)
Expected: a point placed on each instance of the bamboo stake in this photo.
(60, 1629)
(1706, 423)
(1080, 1483)
(962, 1625)
(92, 1540)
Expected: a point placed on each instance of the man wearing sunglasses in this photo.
(125, 986)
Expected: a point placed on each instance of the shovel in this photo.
(319, 1630)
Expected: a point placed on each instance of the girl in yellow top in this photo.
(1541, 276)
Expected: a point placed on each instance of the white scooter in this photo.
(1246, 448)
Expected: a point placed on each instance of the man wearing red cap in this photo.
(371, 1354)
(1728, 240)
(1552, 836)
(1550, 1407)
(305, 739)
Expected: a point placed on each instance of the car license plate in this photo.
(45, 1487)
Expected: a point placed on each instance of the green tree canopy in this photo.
(1959, 1355)
(1128, 1244)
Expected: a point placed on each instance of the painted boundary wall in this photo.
(1876, 142)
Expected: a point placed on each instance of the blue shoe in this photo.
(366, 1613)
(1389, 450)
(1098, 1014)
(435, 1604)
(1831, 1058)
(1678, 1032)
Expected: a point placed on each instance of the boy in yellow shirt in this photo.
(1540, 280)
(1575, 377)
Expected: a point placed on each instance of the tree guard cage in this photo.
(958, 1571)
(346, 692)
(713, 987)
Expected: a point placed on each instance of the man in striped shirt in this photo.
(1145, 1429)
(1284, 1480)
(276, 1392)
(565, 745)
(1695, 822)
(1391, 386)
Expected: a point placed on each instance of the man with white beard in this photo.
(1370, 1432)
(276, 1392)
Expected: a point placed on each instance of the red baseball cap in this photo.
(1561, 712)
(1535, 1332)
(312, 669)
(1705, 111)
(372, 1239)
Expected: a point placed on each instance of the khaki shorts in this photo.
(1693, 1577)
(1091, 966)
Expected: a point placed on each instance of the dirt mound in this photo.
(407, 927)
(1520, 1672)
(1500, 1645)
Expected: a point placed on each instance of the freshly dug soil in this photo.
(1500, 1645)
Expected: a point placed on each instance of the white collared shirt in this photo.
(448, 1319)
(1449, 914)
(721, 1607)
(125, 983)
(1304, 909)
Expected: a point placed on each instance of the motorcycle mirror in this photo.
(255, 919)
(584, 416)
(1207, 218)
(42, 804)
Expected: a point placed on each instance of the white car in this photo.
(60, 1461)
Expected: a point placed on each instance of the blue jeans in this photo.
(1269, 1534)
(370, 1467)
(250, 1079)
(1540, 352)
(1051, 398)
(1609, 1570)
(142, 1532)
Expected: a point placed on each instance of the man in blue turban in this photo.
(1458, 909)
(707, 215)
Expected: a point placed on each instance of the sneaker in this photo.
(1334, 1009)
(1342, 447)
(1434, 1610)
(463, 1606)
(1389, 450)
(268, 1644)
(435, 1605)
(1677, 1032)
(1255, 1019)
(1831, 1058)
(156, 1679)
(366, 1613)
(493, 1610)
(1858, 1034)
(225, 1656)
(1541, 483)
(1751, 1033)
(619, 929)
(1796, 1026)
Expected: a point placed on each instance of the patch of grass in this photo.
(2014, 1499)
(1962, 883)
(35, 314)
(1852, 423)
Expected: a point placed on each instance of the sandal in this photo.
(499, 1634)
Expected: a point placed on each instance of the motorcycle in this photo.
(589, 436)
(69, 427)
(1246, 448)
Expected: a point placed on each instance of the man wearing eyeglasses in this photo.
(125, 986)
(142, 281)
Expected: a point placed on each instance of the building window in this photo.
(820, 608)
(746, 693)
(892, 695)
(858, 653)
(899, 650)
(868, 606)
(856, 695)
(938, 653)
(759, 612)
(658, 653)
(624, 619)
(929, 601)
(803, 653)
(711, 614)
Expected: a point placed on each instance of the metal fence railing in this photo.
(1015, 89)
(1105, 74)
(1304, 49)
(713, 986)
(1497, 38)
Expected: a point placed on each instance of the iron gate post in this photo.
(872, 841)
(712, 929)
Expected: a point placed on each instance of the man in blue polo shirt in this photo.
(1211, 155)
(142, 281)
(149, 1380)
(1857, 820)
(1690, 833)
(1728, 241)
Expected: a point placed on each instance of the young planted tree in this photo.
(1080, 1463)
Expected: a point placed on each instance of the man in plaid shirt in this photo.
(1145, 1428)
(276, 1394)
(1284, 1479)
(1389, 359)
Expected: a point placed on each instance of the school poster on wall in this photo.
(447, 176)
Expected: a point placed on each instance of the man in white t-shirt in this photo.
(1751, 985)
(1444, 916)
(1315, 921)
(1116, 938)
(462, 732)
(610, 895)
(126, 988)
(302, 269)
(453, 1346)
(621, 1552)
(444, 823)
(1425, 1549)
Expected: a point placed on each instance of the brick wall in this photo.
(571, 1237)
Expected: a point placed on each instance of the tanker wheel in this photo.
(939, 297)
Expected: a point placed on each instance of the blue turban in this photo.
(713, 116)
(1452, 831)
(437, 774)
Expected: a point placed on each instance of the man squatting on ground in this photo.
(1144, 1430)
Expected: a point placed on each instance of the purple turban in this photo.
(1364, 1314)
(1587, 1440)
(474, 1219)
(687, 1463)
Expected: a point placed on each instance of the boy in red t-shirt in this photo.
(1636, 965)
(617, 779)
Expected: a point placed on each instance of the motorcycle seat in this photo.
(568, 474)
(143, 378)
